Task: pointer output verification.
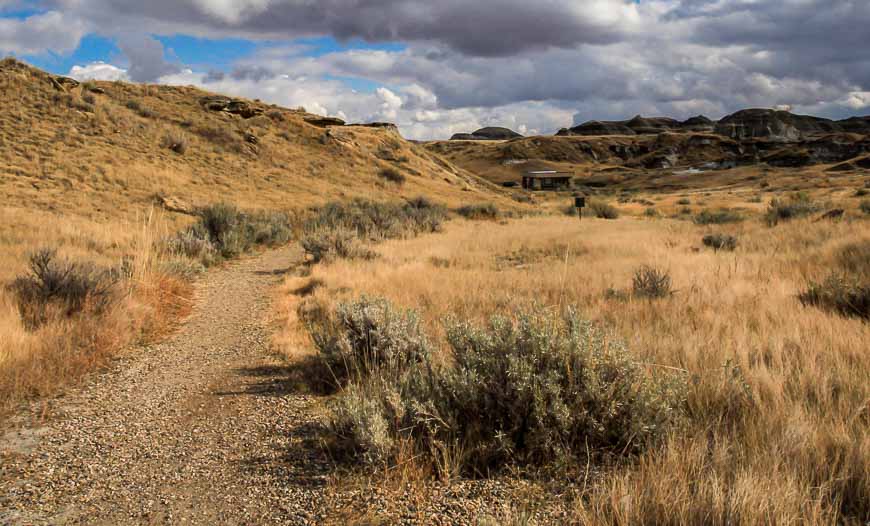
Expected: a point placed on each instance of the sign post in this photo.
(579, 204)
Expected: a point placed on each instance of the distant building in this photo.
(547, 180)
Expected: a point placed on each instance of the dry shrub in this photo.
(479, 211)
(176, 142)
(393, 175)
(600, 209)
(717, 217)
(793, 207)
(62, 288)
(720, 241)
(223, 231)
(532, 390)
(330, 244)
(369, 337)
(864, 206)
(843, 294)
(847, 289)
(651, 283)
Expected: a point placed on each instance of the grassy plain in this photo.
(777, 411)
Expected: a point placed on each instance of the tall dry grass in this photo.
(36, 362)
(778, 403)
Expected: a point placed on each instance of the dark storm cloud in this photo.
(495, 28)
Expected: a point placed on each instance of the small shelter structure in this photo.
(547, 180)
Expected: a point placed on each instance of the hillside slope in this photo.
(80, 164)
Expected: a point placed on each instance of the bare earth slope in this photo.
(192, 430)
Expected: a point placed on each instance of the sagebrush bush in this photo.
(369, 337)
(329, 244)
(684, 201)
(223, 231)
(792, 207)
(393, 175)
(60, 287)
(839, 293)
(720, 241)
(651, 212)
(176, 142)
(534, 390)
(651, 283)
(861, 192)
(717, 217)
(854, 259)
(600, 209)
(378, 221)
(864, 206)
(479, 211)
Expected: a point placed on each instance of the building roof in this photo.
(550, 174)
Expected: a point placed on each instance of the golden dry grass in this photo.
(83, 178)
(779, 392)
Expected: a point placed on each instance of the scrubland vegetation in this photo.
(671, 384)
(65, 315)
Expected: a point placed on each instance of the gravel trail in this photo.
(195, 430)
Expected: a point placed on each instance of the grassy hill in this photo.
(80, 165)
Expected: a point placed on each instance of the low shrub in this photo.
(651, 283)
(223, 137)
(684, 201)
(720, 241)
(369, 337)
(845, 295)
(377, 221)
(601, 209)
(717, 217)
(864, 206)
(225, 232)
(479, 211)
(176, 142)
(651, 212)
(534, 390)
(59, 287)
(793, 207)
(393, 175)
(854, 259)
(329, 244)
(861, 192)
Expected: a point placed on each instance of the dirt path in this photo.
(195, 430)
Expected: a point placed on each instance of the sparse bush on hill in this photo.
(864, 206)
(651, 212)
(651, 283)
(176, 142)
(600, 209)
(56, 287)
(137, 106)
(222, 137)
(717, 217)
(536, 390)
(479, 211)
(393, 175)
(684, 201)
(720, 241)
(792, 207)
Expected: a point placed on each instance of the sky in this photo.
(441, 67)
